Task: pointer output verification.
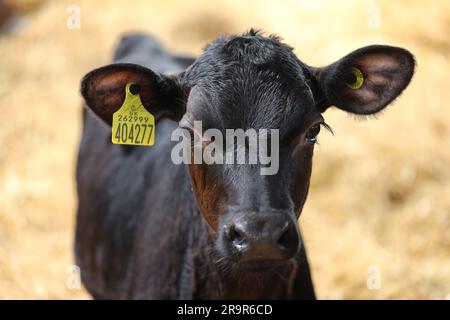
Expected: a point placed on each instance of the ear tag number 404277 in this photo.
(132, 124)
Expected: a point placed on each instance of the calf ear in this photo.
(366, 80)
(104, 91)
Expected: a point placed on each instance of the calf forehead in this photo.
(249, 81)
(253, 101)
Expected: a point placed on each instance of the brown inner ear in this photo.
(383, 79)
(379, 71)
(105, 93)
(378, 61)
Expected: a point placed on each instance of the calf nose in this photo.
(268, 238)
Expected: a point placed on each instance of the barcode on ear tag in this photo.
(132, 124)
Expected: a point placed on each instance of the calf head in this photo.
(256, 82)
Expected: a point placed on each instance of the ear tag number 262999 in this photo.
(132, 124)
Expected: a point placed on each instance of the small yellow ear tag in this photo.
(132, 124)
(359, 79)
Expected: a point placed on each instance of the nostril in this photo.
(283, 241)
(288, 240)
(237, 237)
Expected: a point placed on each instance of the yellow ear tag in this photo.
(359, 79)
(132, 124)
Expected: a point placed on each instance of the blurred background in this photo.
(379, 203)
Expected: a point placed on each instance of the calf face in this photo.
(256, 82)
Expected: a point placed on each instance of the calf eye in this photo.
(311, 135)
